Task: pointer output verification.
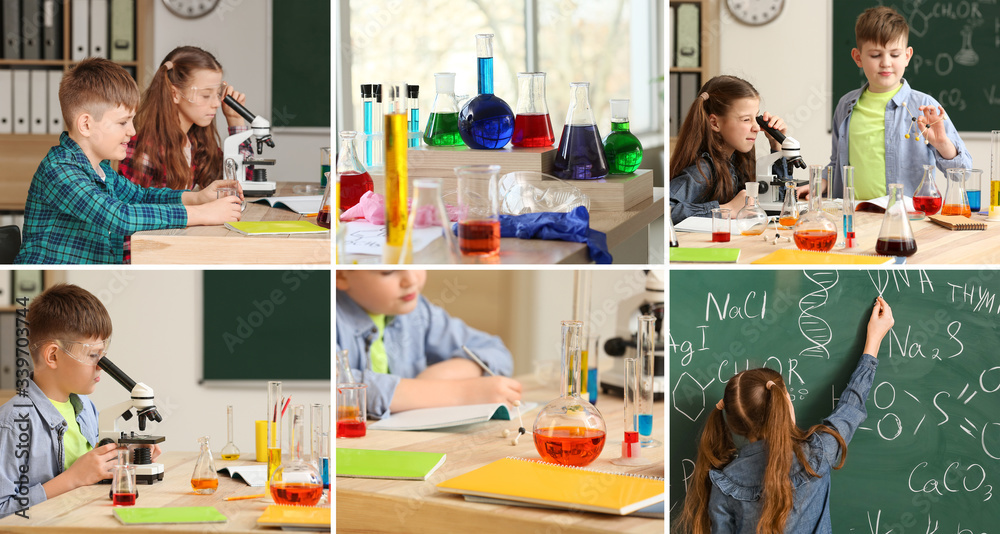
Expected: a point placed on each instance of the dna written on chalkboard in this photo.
(927, 458)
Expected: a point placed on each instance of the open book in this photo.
(431, 418)
(301, 204)
(253, 475)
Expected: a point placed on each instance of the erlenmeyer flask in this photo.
(816, 229)
(955, 201)
(204, 480)
(532, 125)
(621, 149)
(789, 208)
(354, 178)
(324, 217)
(927, 197)
(580, 155)
(442, 124)
(486, 121)
(426, 211)
(296, 482)
(751, 220)
(895, 238)
(570, 430)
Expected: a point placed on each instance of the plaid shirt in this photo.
(127, 166)
(72, 216)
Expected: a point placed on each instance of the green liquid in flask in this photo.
(442, 130)
(622, 149)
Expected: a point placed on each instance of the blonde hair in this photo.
(94, 86)
(880, 26)
(68, 312)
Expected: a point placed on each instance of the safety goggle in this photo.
(85, 353)
(205, 95)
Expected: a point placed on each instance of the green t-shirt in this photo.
(376, 352)
(866, 143)
(74, 444)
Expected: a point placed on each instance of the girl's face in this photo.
(738, 127)
(198, 102)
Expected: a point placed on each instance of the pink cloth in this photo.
(371, 207)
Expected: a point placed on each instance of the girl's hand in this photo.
(931, 126)
(736, 204)
(211, 191)
(232, 117)
(878, 326)
(778, 124)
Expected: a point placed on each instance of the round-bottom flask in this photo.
(296, 482)
(751, 219)
(815, 230)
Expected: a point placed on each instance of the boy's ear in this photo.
(342, 281)
(47, 356)
(713, 122)
(84, 124)
(856, 55)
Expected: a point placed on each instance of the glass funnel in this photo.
(927, 197)
(296, 482)
(955, 201)
(532, 125)
(816, 229)
(204, 480)
(580, 155)
(751, 219)
(895, 238)
(486, 121)
(442, 123)
(789, 208)
(570, 430)
(354, 178)
(230, 451)
(621, 148)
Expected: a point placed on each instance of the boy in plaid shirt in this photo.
(79, 210)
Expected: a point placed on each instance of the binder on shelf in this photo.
(39, 102)
(27, 284)
(8, 330)
(31, 29)
(6, 299)
(79, 31)
(11, 19)
(55, 125)
(22, 101)
(99, 28)
(122, 30)
(52, 24)
(6, 101)
(688, 52)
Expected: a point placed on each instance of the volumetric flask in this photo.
(816, 229)
(354, 178)
(751, 220)
(428, 211)
(532, 124)
(486, 121)
(927, 197)
(442, 123)
(895, 238)
(580, 155)
(955, 201)
(478, 210)
(621, 148)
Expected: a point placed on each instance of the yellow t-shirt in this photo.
(866, 143)
(74, 444)
(376, 352)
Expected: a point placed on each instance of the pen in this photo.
(242, 497)
(477, 360)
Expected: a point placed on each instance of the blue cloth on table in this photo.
(572, 226)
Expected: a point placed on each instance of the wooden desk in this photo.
(88, 509)
(935, 244)
(365, 505)
(619, 227)
(219, 245)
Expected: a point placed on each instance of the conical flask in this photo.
(751, 220)
(204, 480)
(354, 178)
(324, 217)
(955, 201)
(621, 148)
(789, 208)
(532, 125)
(296, 482)
(570, 430)
(427, 211)
(895, 238)
(486, 121)
(816, 229)
(580, 155)
(927, 197)
(442, 123)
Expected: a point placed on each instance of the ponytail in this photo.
(716, 450)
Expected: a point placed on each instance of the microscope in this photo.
(235, 166)
(649, 302)
(770, 198)
(109, 430)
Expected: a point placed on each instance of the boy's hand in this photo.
(220, 211)
(94, 466)
(931, 126)
(878, 326)
(802, 191)
(489, 389)
(232, 117)
(211, 191)
(778, 124)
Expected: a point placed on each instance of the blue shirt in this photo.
(423, 337)
(37, 421)
(904, 158)
(688, 188)
(734, 504)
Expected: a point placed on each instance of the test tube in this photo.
(848, 178)
(395, 176)
(631, 448)
(274, 407)
(645, 346)
(412, 92)
(367, 101)
(581, 312)
(377, 122)
(995, 174)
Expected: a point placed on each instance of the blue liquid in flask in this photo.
(486, 122)
(580, 155)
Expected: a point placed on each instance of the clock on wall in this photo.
(190, 9)
(755, 12)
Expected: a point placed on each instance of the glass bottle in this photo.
(442, 123)
(569, 430)
(230, 451)
(751, 219)
(413, 103)
(354, 178)
(927, 197)
(816, 229)
(296, 482)
(789, 208)
(532, 124)
(621, 149)
(396, 177)
(895, 238)
(204, 480)
(955, 201)
(486, 122)
(427, 210)
(580, 155)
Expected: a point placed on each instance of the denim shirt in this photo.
(423, 337)
(689, 187)
(734, 504)
(35, 421)
(904, 158)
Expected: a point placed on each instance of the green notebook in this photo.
(177, 514)
(399, 465)
(704, 255)
(275, 227)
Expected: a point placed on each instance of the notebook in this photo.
(653, 511)
(176, 514)
(957, 222)
(398, 465)
(791, 256)
(301, 204)
(254, 475)
(431, 418)
(704, 255)
(295, 517)
(520, 479)
(275, 227)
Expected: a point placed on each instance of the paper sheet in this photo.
(363, 237)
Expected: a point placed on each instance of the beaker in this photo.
(815, 230)
(532, 124)
(722, 225)
(751, 219)
(204, 479)
(230, 451)
(955, 201)
(895, 238)
(569, 430)
(396, 173)
(486, 121)
(296, 482)
(478, 210)
(354, 178)
(622, 149)
(427, 211)
(789, 208)
(442, 123)
(352, 410)
(973, 189)
(580, 155)
(927, 197)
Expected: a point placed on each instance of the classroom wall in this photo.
(157, 318)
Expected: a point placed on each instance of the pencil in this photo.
(242, 497)
(477, 360)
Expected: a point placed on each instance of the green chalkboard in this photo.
(266, 325)
(300, 59)
(955, 55)
(930, 447)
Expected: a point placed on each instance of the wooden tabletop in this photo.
(219, 245)
(416, 506)
(935, 244)
(88, 509)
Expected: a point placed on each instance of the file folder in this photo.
(79, 31)
(22, 101)
(6, 101)
(11, 18)
(39, 102)
(31, 29)
(55, 111)
(99, 28)
(52, 29)
(122, 30)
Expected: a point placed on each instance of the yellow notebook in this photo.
(294, 517)
(275, 227)
(523, 480)
(791, 256)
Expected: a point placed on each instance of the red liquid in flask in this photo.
(350, 428)
(123, 499)
(821, 240)
(300, 494)
(533, 130)
(323, 218)
(721, 237)
(569, 445)
(479, 238)
(352, 186)
(895, 246)
(928, 205)
(956, 209)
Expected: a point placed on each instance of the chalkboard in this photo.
(300, 59)
(267, 325)
(956, 50)
(929, 450)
